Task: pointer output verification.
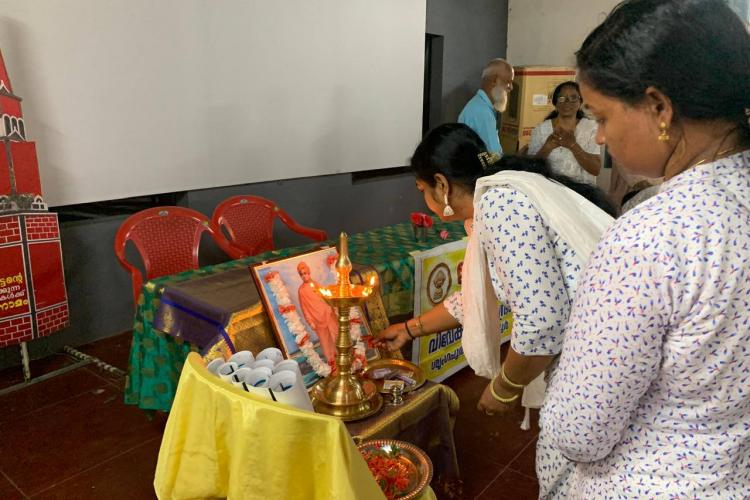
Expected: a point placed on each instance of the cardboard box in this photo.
(530, 102)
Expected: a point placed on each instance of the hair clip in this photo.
(488, 159)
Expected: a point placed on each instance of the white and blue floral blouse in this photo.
(535, 273)
(651, 396)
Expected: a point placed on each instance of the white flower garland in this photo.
(302, 338)
(355, 332)
(289, 312)
(359, 346)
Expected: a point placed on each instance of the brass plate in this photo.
(408, 454)
(347, 413)
(395, 364)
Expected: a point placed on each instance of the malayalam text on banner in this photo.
(437, 274)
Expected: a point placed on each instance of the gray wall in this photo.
(99, 290)
(475, 32)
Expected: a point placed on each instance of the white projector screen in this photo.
(133, 97)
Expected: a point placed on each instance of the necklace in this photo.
(718, 156)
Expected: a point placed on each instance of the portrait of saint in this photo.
(319, 315)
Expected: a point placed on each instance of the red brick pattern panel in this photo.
(42, 227)
(10, 229)
(52, 320)
(14, 331)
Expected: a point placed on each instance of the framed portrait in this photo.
(304, 325)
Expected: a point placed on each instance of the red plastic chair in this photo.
(249, 223)
(168, 239)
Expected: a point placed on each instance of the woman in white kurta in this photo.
(651, 397)
(522, 250)
(566, 138)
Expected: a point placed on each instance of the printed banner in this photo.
(14, 297)
(437, 274)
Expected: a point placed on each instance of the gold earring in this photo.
(663, 135)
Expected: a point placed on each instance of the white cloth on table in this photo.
(651, 395)
(561, 160)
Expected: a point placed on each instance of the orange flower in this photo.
(286, 309)
(390, 471)
(270, 276)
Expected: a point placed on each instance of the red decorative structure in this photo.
(33, 299)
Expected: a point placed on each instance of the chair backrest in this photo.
(249, 222)
(168, 240)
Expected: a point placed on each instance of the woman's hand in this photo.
(393, 337)
(550, 144)
(490, 406)
(566, 138)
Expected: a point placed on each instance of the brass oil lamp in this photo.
(345, 394)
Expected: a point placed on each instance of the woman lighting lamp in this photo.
(527, 260)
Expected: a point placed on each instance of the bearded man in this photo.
(480, 113)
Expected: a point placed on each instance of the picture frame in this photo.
(299, 317)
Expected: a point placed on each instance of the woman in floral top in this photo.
(651, 397)
(533, 264)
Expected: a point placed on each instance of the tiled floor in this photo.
(71, 437)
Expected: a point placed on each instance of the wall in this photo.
(246, 80)
(548, 32)
(742, 8)
(475, 33)
(100, 291)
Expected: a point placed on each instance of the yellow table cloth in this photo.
(221, 442)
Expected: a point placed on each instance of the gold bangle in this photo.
(419, 325)
(500, 398)
(505, 379)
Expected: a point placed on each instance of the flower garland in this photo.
(288, 311)
(359, 346)
(355, 326)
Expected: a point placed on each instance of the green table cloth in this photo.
(156, 359)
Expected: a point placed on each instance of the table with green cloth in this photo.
(156, 358)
